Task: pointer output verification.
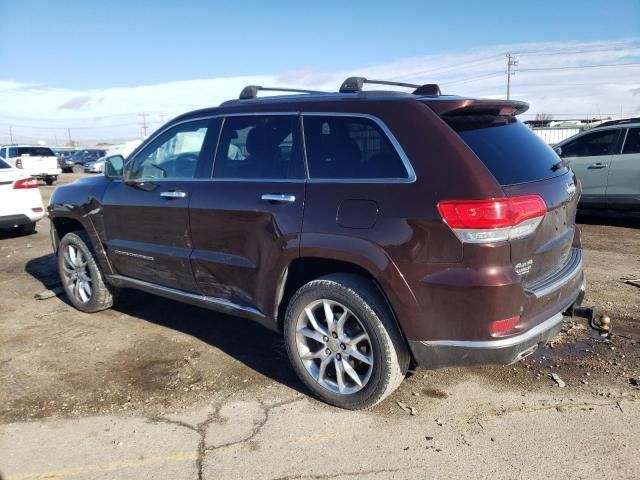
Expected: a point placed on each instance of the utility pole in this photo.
(11, 135)
(144, 124)
(511, 62)
(69, 135)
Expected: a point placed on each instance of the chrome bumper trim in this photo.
(501, 342)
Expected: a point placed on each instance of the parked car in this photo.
(39, 162)
(98, 165)
(373, 229)
(20, 201)
(63, 155)
(82, 157)
(606, 160)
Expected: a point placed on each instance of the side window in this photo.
(260, 147)
(349, 147)
(13, 152)
(174, 154)
(632, 142)
(592, 144)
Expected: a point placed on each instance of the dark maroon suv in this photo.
(374, 229)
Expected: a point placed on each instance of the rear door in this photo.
(623, 187)
(590, 156)
(146, 216)
(246, 220)
(524, 165)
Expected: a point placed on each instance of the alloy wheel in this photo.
(76, 274)
(334, 346)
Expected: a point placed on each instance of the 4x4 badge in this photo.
(571, 188)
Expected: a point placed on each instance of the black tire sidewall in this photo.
(369, 318)
(95, 303)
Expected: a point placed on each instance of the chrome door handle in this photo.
(596, 166)
(278, 197)
(173, 194)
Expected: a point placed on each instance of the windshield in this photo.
(4, 164)
(507, 147)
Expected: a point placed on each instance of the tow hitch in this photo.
(601, 323)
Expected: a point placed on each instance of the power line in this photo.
(579, 67)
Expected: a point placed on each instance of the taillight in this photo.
(502, 326)
(18, 163)
(26, 183)
(493, 220)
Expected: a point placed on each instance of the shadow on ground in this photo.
(609, 217)
(246, 341)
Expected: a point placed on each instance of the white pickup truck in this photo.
(39, 162)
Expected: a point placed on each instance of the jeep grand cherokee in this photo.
(373, 229)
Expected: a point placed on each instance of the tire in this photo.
(50, 180)
(75, 275)
(26, 229)
(77, 168)
(367, 314)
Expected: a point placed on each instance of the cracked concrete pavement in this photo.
(477, 433)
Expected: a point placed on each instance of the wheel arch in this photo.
(307, 268)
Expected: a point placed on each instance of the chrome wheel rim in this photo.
(334, 347)
(75, 270)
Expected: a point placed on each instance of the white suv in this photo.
(36, 161)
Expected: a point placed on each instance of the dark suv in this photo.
(374, 229)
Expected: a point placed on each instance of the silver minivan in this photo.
(606, 159)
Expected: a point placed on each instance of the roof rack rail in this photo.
(251, 91)
(355, 84)
(623, 121)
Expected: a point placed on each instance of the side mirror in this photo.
(558, 150)
(113, 166)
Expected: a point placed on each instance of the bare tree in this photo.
(544, 116)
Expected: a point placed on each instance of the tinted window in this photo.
(12, 152)
(592, 144)
(511, 152)
(4, 164)
(174, 154)
(632, 143)
(259, 147)
(350, 147)
(35, 152)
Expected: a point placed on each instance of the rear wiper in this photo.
(558, 165)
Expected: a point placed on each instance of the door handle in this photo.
(596, 166)
(173, 194)
(278, 198)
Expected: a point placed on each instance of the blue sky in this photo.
(112, 43)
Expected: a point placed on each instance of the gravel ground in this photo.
(162, 361)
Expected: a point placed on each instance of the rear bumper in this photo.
(443, 353)
(51, 172)
(10, 221)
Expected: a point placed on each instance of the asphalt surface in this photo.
(156, 389)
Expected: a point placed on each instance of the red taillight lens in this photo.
(495, 219)
(494, 213)
(501, 326)
(26, 183)
(18, 163)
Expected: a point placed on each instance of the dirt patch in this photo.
(153, 355)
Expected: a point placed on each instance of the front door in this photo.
(146, 215)
(590, 157)
(246, 221)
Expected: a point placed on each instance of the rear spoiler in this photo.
(474, 106)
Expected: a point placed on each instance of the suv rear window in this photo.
(508, 148)
(35, 152)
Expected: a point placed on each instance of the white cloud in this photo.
(36, 111)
